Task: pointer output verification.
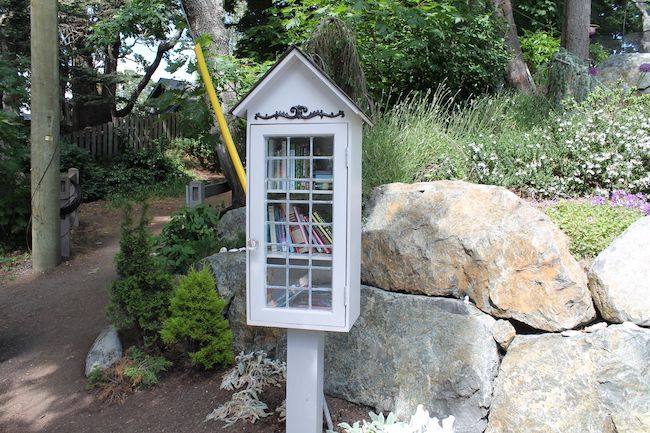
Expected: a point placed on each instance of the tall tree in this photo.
(644, 7)
(518, 74)
(575, 27)
(206, 17)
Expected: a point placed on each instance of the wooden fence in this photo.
(107, 140)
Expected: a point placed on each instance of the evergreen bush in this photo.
(139, 299)
(197, 319)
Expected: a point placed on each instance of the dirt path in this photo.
(49, 321)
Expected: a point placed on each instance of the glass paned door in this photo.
(299, 229)
(302, 215)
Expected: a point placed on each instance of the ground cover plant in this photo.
(196, 319)
(420, 423)
(134, 370)
(251, 375)
(592, 226)
(515, 141)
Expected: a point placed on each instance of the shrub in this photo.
(253, 373)
(135, 370)
(196, 317)
(14, 177)
(134, 172)
(591, 228)
(92, 176)
(538, 49)
(201, 149)
(139, 299)
(429, 137)
(515, 141)
(188, 237)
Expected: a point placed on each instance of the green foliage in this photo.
(201, 149)
(515, 141)
(539, 48)
(597, 53)
(403, 46)
(14, 176)
(133, 371)
(429, 137)
(411, 141)
(139, 299)
(188, 237)
(144, 369)
(197, 318)
(591, 228)
(533, 15)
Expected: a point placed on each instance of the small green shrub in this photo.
(197, 319)
(189, 236)
(591, 228)
(538, 49)
(139, 299)
(597, 53)
(144, 370)
(133, 371)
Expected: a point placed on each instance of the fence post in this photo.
(194, 194)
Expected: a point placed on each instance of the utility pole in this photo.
(45, 135)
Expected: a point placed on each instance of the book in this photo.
(297, 235)
(326, 231)
(305, 235)
(273, 240)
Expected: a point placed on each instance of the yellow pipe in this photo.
(225, 132)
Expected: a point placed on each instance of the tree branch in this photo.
(149, 70)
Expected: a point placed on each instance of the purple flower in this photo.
(644, 67)
(594, 71)
(623, 199)
(598, 201)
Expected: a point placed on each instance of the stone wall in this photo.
(442, 261)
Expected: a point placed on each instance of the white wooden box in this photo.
(304, 199)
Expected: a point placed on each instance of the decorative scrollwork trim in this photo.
(299, 112)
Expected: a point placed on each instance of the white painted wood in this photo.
(305, 363)
(297, 81)
(280, 74)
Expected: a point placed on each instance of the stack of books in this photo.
(302, 235)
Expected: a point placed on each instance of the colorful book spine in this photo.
(297, 235)
(272, 228)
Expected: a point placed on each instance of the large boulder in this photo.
(105, 351)
(619, 278)
(589, 383)
(231, 229)
(626, 67)
(455, 238)
(407, 350)
(229, 269)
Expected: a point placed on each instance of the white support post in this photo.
(305, 359)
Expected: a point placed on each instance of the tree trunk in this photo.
(206, 17)
(518, 74)
(644, 7)
(575, 27)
